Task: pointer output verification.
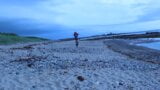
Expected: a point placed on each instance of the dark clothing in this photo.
(76, 38)
(76, 34)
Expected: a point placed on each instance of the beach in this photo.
(92, 66)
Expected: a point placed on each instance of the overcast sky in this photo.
(59, 18)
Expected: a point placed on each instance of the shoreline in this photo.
(153, 45)
(133, 51)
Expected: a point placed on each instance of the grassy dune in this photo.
(10, 38)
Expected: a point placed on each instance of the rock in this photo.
(17, 73)
(30, 65)
(85, 59)
(121, 84)
(114, 86)
(66, 88)
(80, 78)
(33, 86)
(28, 47)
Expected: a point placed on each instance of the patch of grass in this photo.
(7, 38)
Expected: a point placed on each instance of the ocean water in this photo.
(153, 45)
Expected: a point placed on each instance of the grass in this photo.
(9, 38)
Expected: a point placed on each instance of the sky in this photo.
(60, 18)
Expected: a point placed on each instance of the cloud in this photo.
(151, 12)
(20, 2)
(27, 9)
(93, 12)
(82, 12)
(150, 16)
(63, 17)
(12, 26)
(29, 27)
(128, 27)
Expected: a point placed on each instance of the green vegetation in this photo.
(11, 38)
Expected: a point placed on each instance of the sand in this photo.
(62, 66)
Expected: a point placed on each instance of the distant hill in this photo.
(157, 30)
(130, 35)
(11, 38)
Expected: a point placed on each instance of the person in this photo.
(76, 38)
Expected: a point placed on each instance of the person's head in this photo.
(75, 34)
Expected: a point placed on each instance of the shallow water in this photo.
(153, 45)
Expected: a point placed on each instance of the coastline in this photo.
(133, 51)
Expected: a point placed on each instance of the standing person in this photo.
(76, 38)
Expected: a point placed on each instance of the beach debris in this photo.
(80, 78)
